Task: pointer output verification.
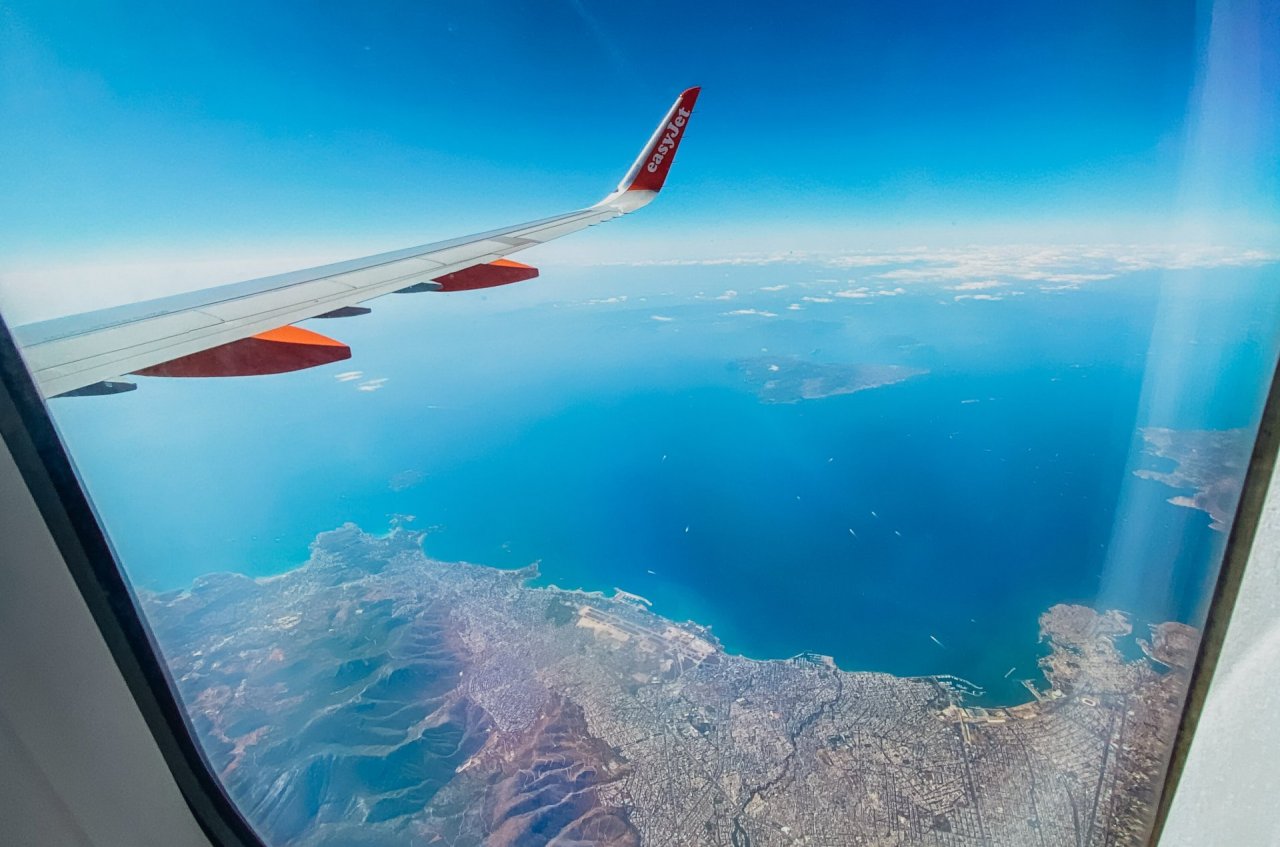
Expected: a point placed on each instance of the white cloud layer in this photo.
(979, 268)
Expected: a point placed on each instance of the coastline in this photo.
(429, 687)
(964, 690)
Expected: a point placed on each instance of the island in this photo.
(377, 696)
(1208, 463)
(791, 379)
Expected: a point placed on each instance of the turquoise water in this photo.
(622, 451)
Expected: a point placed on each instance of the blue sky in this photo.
(144, 130)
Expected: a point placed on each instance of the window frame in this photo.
(1226, 589)
(46, 468)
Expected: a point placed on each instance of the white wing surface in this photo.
(231, 326)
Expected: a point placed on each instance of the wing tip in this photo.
(649, 171)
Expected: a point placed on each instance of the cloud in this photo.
(620, 298)
(795, 307)
(753, 259)
(976, 285)
(979, 268)
(758, 312)
(773, 287)
(372, 384)
(1003, 295)
(817, 299)
(348, 376)
(865, 292)
(661, 318)
(728, 295)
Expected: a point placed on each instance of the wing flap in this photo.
(468, 252)
(61, 357)
(541, 235)
(278, 301)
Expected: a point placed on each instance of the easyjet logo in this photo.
(668, 143)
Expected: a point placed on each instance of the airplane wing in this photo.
(245, 328)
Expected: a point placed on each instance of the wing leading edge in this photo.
(170, 336)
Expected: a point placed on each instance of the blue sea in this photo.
(914, 528)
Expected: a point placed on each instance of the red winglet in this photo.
(650, 170)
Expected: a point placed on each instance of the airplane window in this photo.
(861, 477)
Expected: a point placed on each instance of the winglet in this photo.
(649, 171)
